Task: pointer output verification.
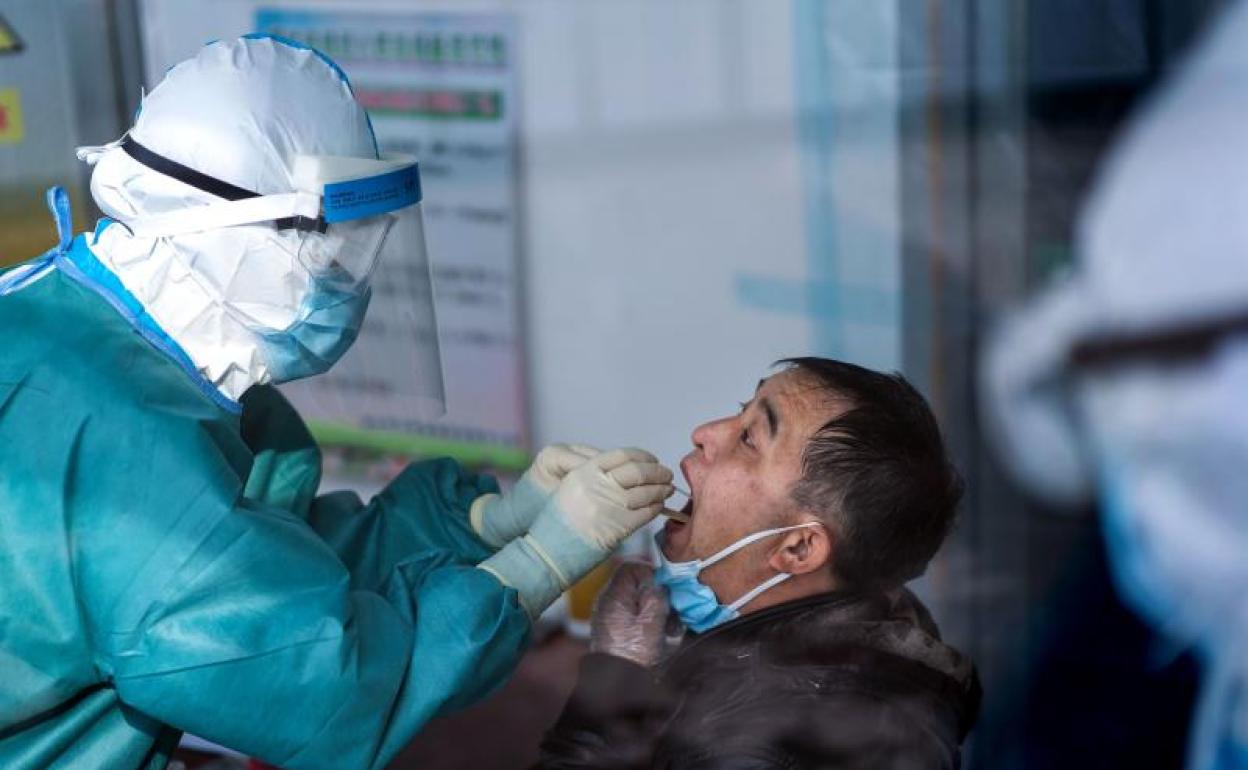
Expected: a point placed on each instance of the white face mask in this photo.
(694, 601)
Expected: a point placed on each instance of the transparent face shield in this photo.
(361, 204)
(357, 230)
(398, 349)
(374, 237)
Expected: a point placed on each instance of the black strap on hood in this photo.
(210, 184)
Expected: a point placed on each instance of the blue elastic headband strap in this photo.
(370, 196)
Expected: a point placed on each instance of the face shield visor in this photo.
(355, 227)
(369, 237)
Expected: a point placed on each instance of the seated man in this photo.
(810, 510)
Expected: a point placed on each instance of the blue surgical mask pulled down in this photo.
(694, 601)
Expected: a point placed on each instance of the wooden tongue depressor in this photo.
(683, 518)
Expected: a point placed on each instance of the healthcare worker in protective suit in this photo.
(165, 561)
(1127, 381)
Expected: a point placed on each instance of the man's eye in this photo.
(745, 439)
(744, 405)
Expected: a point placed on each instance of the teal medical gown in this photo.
(166, 563)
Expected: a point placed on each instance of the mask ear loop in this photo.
(771, 582)
(750, 540)
(767, 585)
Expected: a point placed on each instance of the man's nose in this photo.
(709, 437)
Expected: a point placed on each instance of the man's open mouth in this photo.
(687, 510)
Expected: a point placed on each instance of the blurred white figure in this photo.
(1128, 380)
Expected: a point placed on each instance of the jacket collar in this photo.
(893, 629)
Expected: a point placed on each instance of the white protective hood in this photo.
(1128, 380)
(254, 113)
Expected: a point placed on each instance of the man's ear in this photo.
(803, 550)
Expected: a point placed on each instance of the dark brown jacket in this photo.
(830, 681)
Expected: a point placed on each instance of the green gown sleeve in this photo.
(238, 621)
(425, 509)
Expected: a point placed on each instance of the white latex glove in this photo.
(610, 497)
(630, 616)
(499, 519)
(600, 503)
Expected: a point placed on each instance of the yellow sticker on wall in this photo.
(10, 116)
(9, 41)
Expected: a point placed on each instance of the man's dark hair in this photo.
(878, 474)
